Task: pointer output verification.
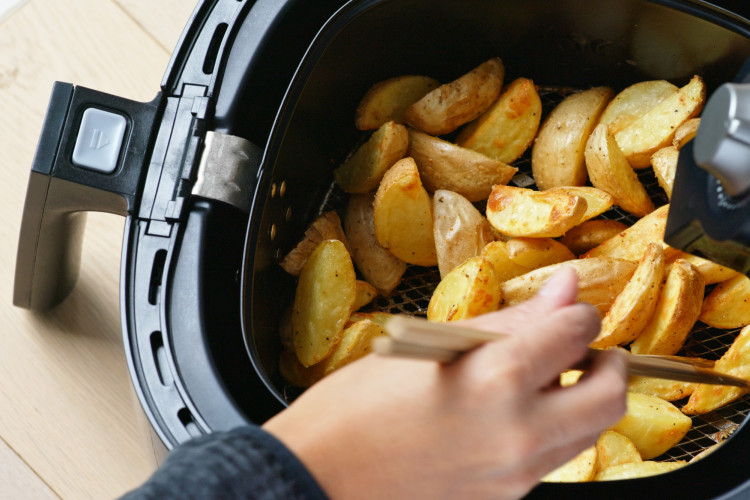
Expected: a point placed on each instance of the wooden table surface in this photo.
(68, 427)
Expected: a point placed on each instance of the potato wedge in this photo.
(497, 253)
(656, 129)
(600, 281)
(736, 362)
(728, 305)
(324, 300)
(534, 253)
(403, 216)
(590, 234)
(325, 227)
(632, 309)
(597, 201)
(632, 243)
(386, 101)
(443, 165)
(570, 377)
(686, 132)
(508, 128)
(653, 425)
(634, 102)
(355, 343)
(668, 390)
(638, 469)
(612, 448)
(579, 470)
(449, 106)
(711, 271)
(676, 312)
(609, 171)
(364, 170)
(286, 333)
(296, 373)
(467, 291)
(377, 317)
(537, 214)
(705, 453)
(365, 293)
(460, 230)
(664, 162)
(557, 157)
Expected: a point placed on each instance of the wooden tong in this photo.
(417, 338)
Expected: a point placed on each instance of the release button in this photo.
(99, 141)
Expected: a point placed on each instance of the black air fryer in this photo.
(220, 175)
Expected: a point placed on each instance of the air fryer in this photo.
(220, 175)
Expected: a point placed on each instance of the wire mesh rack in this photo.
(413, 295)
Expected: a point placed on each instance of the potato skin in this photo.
(365, 293)
(590, 234)
(451, 105)
(686, 132)
(727, 305)
(388, 100)
(664, 162)
(634, 102)
(634, 470)
(711, 271)
(557, 157)
(470, 290)
(325, 227)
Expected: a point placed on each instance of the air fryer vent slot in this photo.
(157, 271)
(160, 359)
(213, 48)
(187, 420)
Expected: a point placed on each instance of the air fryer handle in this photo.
(68, 179)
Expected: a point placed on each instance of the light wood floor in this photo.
(68, 427)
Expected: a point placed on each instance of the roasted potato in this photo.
(461, 231)
(523, 212)
(378, 266)
(590, 234)
(467, 291)
(612, 448)
(635, 470)
(634, 102)
(727, 305)
(736, 362)
(497, 253)
(365, 293)
(609, 171)
(364, 170)
(656, 129)
(676, 312)
(711, 271)
(534, 253)
(579, 470)
(286, 334)
(296, 373)
(686, 132)
(324, 300)
(632, 309)
(705, 453)
(508, 128)
(664, 162)
(668, 390)
(325, 227)
(597, 201)
(599, 282)
(653, 425)
(557, 157)
(570, 377)
(449, 106)
(403, 216)
(379, 318)
(387, 101)
(443, 165)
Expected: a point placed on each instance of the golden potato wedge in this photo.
(656, 129)
(325, 227)
(736, 362)
(728, 305)
(468, 291)
(711, 271)
(610, 172)
(705, 453)
(612, 448)
(296, 373)
(537, 214)
(590, 234)
(451, 105)
(676, 312)
(443, 165)
(460, 230)
(557, 157)
(377, 317)
(668, 390)
(534, 253)
(664, 162)
(579, 470)
(386, 101)
(632, 309)
(597, 201)
(378, 266)
(635, 470)
(355, 343)
(632, 243)
(324, 300)
(497, 253)
(286, 334)
(403, 216)
(652, 424)
(364, 170)
(634, 102)
(365, 293)
(508, 128)
(686, 132)
(599, 282)
(570, 377)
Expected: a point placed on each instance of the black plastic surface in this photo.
(54, 121)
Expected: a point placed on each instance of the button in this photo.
(99, 141)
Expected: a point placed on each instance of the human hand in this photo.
(489, 425)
